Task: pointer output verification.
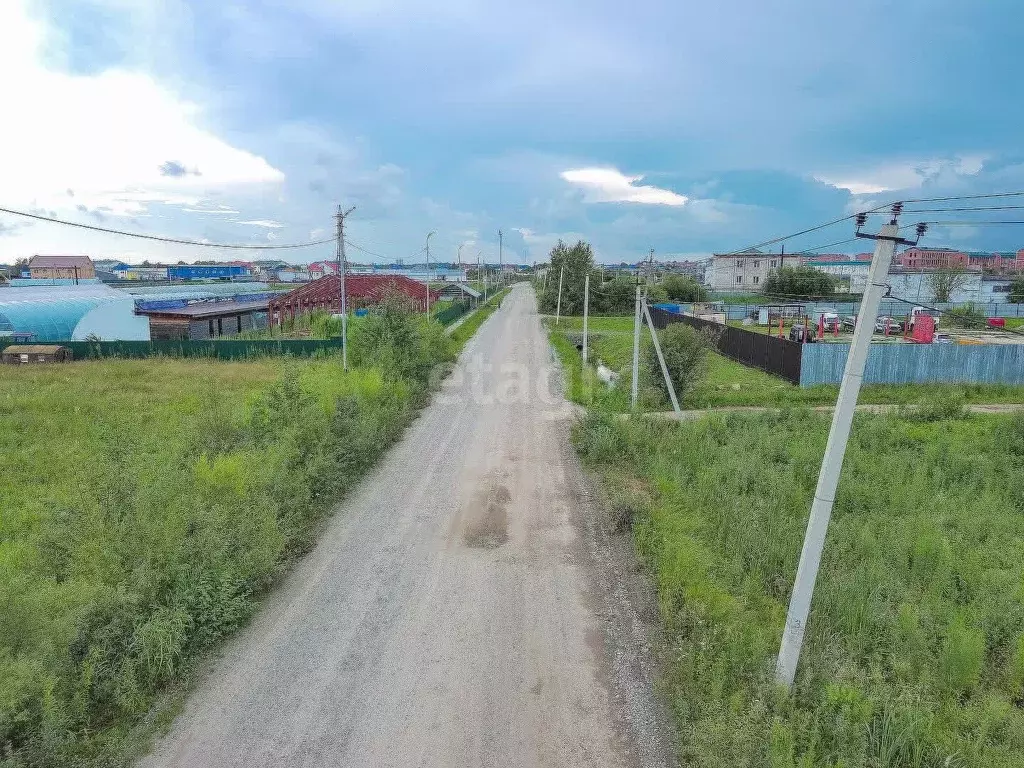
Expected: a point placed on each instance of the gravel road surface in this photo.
(465, 607)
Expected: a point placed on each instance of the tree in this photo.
(615, 297)
(799, 283)
(684, 289)
(686, 357)
(947, 281)
(577, 261)
(1017, 290)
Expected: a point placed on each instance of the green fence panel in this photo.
(221, 350)
(452, 313)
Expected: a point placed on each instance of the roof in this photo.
(472, 292)
(356, 287)
(58, 262)
(207, 309)
(33, 349)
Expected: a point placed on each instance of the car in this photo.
(917, 312)
(895, 326)
(849, 322)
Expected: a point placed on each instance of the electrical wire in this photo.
(808, 251)
(876, 211)
(161, 239)
(908, 211)
(983, 222)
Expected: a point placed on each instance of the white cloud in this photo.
(909, 175)
(268, 223)
(608, 185)
(113, 142)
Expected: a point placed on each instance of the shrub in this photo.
(686, 356)
(966, 316)
(683, 289)
(799, 282)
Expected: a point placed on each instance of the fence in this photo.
(917, 363)
(221, 350)
(452, 313)
(888, 307)
(757, 350)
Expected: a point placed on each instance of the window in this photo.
(211, 327)
(739, 262)
(773, 263)
(756, 279)
(757, 262)
(739, 278)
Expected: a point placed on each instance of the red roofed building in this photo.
(360, 290)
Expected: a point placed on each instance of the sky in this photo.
(685, 127)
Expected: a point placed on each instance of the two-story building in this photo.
(61, 268)
(746, 271)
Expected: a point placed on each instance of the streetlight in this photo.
(429, 235)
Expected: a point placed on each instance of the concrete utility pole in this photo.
(501, 270)
(835, 451)
(484, 274)
(558, 307)
(429, 235)
(636, 348)
(342, 268)
(586, 310)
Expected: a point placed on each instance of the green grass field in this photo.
(146, 505)
(729, 383)
(914, 652)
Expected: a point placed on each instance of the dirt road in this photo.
(463, 608)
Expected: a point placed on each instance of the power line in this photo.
(981, 222)
(158, 238)
(907, 211)
(806, 251)
(875, 210)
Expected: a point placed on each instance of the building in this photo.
(205, 320)
(206, 271)
(997, 263)
(150, 273)
(746, 271)
(42, 314)
(932, 258)
(61, 268)
(320, 269)
(917, 285)
(458, 292)
(360, 291)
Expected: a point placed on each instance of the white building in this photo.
(852, 274)
(745, 272)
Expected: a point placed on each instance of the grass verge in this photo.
(914, 652)
(147, 505)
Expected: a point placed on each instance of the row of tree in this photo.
(614, 296)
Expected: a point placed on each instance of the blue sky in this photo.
(685, 127)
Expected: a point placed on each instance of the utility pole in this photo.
(647, 272)
(484, 273)
(429, 235)
(501, 270)
(586, 309)
(636, 347)
(342, 267)
(558, 307)
(835, 449)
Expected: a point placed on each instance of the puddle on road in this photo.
(486, 525)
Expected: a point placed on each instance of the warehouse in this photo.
(206, 320)
(206, 271)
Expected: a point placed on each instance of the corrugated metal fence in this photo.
(758, 350)
(221, 350)
(917, 363)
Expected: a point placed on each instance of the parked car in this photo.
(798, 331)
(895, 326)
(849, 322)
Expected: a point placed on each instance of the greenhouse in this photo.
(71, 313)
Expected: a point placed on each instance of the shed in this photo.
(19, 354)
(457, 292)
(205, 319)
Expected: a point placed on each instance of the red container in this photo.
(997, 322)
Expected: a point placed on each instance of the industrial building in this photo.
(746, 272)
(360, 291)
(206, 271)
